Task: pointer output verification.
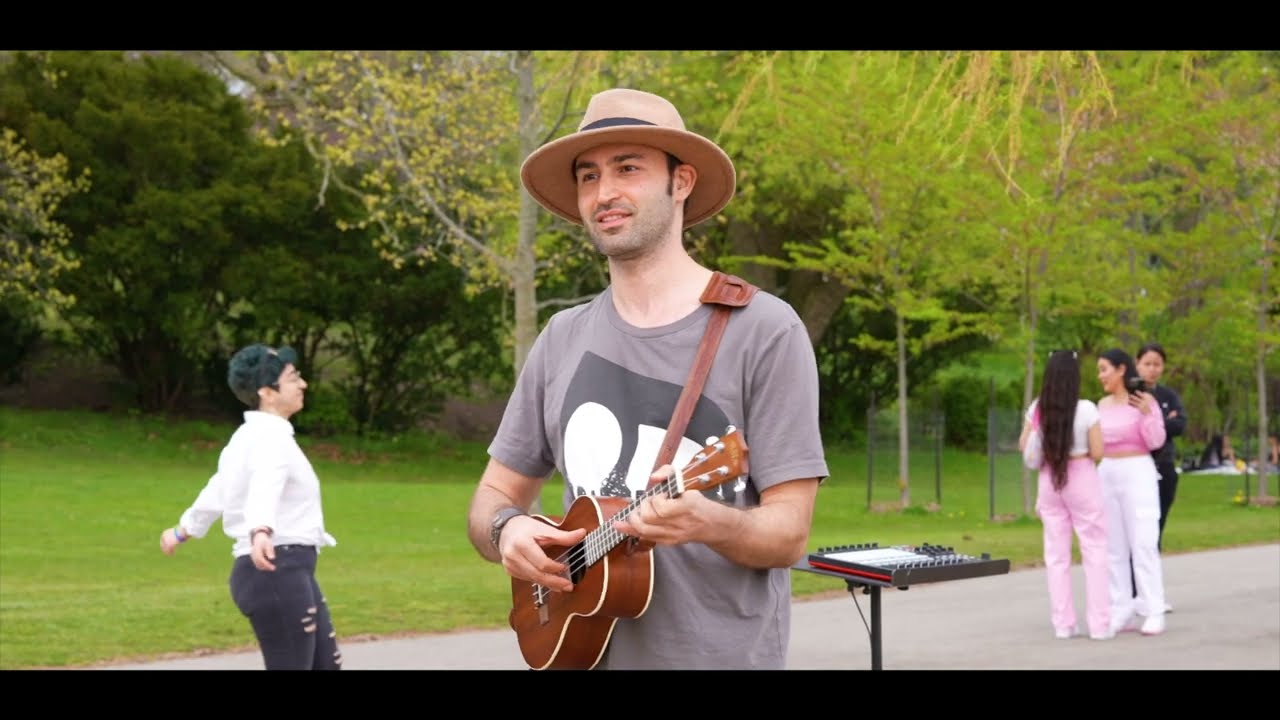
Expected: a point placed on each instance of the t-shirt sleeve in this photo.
(521, 440)
(1088, 413)
(783, 435)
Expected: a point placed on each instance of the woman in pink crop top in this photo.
(1132, 426)
(1070, 495)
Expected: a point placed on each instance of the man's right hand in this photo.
(521, 547)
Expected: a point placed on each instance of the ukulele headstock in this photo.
(721, 460)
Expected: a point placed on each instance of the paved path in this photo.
(1226, 616)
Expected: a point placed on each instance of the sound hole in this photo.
(577, 563)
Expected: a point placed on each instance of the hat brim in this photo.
(548, 171)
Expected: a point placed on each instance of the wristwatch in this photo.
(500, 520)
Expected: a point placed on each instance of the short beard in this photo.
(648, 230)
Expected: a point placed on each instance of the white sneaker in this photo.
(1153, 625)
(1124, 623)
(1168, 608)
(1064, 633)
(1102, 636)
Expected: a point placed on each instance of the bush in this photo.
(966, 399)
(18, 335)
(325, 413)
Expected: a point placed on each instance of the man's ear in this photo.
(686, 177)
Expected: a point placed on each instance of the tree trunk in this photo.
(817, 299)
(904, 447)
(524, 266)
(814, 295)
(1030, 478)
(1263, 306)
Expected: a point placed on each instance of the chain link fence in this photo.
(1010, 492)
(1010, 489)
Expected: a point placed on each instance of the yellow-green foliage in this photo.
(32, 242)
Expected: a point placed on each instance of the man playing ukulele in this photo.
(595, 398)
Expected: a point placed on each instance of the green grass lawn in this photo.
(85, 496)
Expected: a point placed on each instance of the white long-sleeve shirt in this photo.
(263, 480)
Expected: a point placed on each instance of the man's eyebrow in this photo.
(615, 160)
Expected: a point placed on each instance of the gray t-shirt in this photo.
(593, 402)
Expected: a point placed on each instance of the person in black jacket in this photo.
(1150, 361)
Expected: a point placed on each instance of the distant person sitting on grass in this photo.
(1228, 452)
(268, 497)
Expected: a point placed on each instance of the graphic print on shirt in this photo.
(614, 421)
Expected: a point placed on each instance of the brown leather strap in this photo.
(728, 290)
(725, 292)
(693, 385)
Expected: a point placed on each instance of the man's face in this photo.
(1151, 367)
(628, 198)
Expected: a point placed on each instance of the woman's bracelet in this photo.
(177, 532)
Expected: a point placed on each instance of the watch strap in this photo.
(500, 520)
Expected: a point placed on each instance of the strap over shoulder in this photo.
(725, 292)
(731, 290)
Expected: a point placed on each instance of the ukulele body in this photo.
(558, 630)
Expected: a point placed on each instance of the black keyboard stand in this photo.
(869, 587)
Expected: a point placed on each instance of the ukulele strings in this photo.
(604, 538)
(601, 540)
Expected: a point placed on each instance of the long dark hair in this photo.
(1056, 407)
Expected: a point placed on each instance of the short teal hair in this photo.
(257, 366)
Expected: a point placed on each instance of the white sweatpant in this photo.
(1131, 496)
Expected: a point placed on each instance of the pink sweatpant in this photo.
(1079, 506)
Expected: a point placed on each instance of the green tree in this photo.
(427, 131)
(1228, 159)
(867, 126)
(32, 242)
(173, 202)
(1055, 240)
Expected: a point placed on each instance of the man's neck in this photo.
(659, 289)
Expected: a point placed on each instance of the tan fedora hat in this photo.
(631, 117)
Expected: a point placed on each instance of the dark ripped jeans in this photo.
(287, 610)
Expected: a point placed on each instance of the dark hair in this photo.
(1154, 347)
(1118, 357)
(257, 366)
(1059, 395)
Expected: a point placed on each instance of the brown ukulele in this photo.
(612, 576)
